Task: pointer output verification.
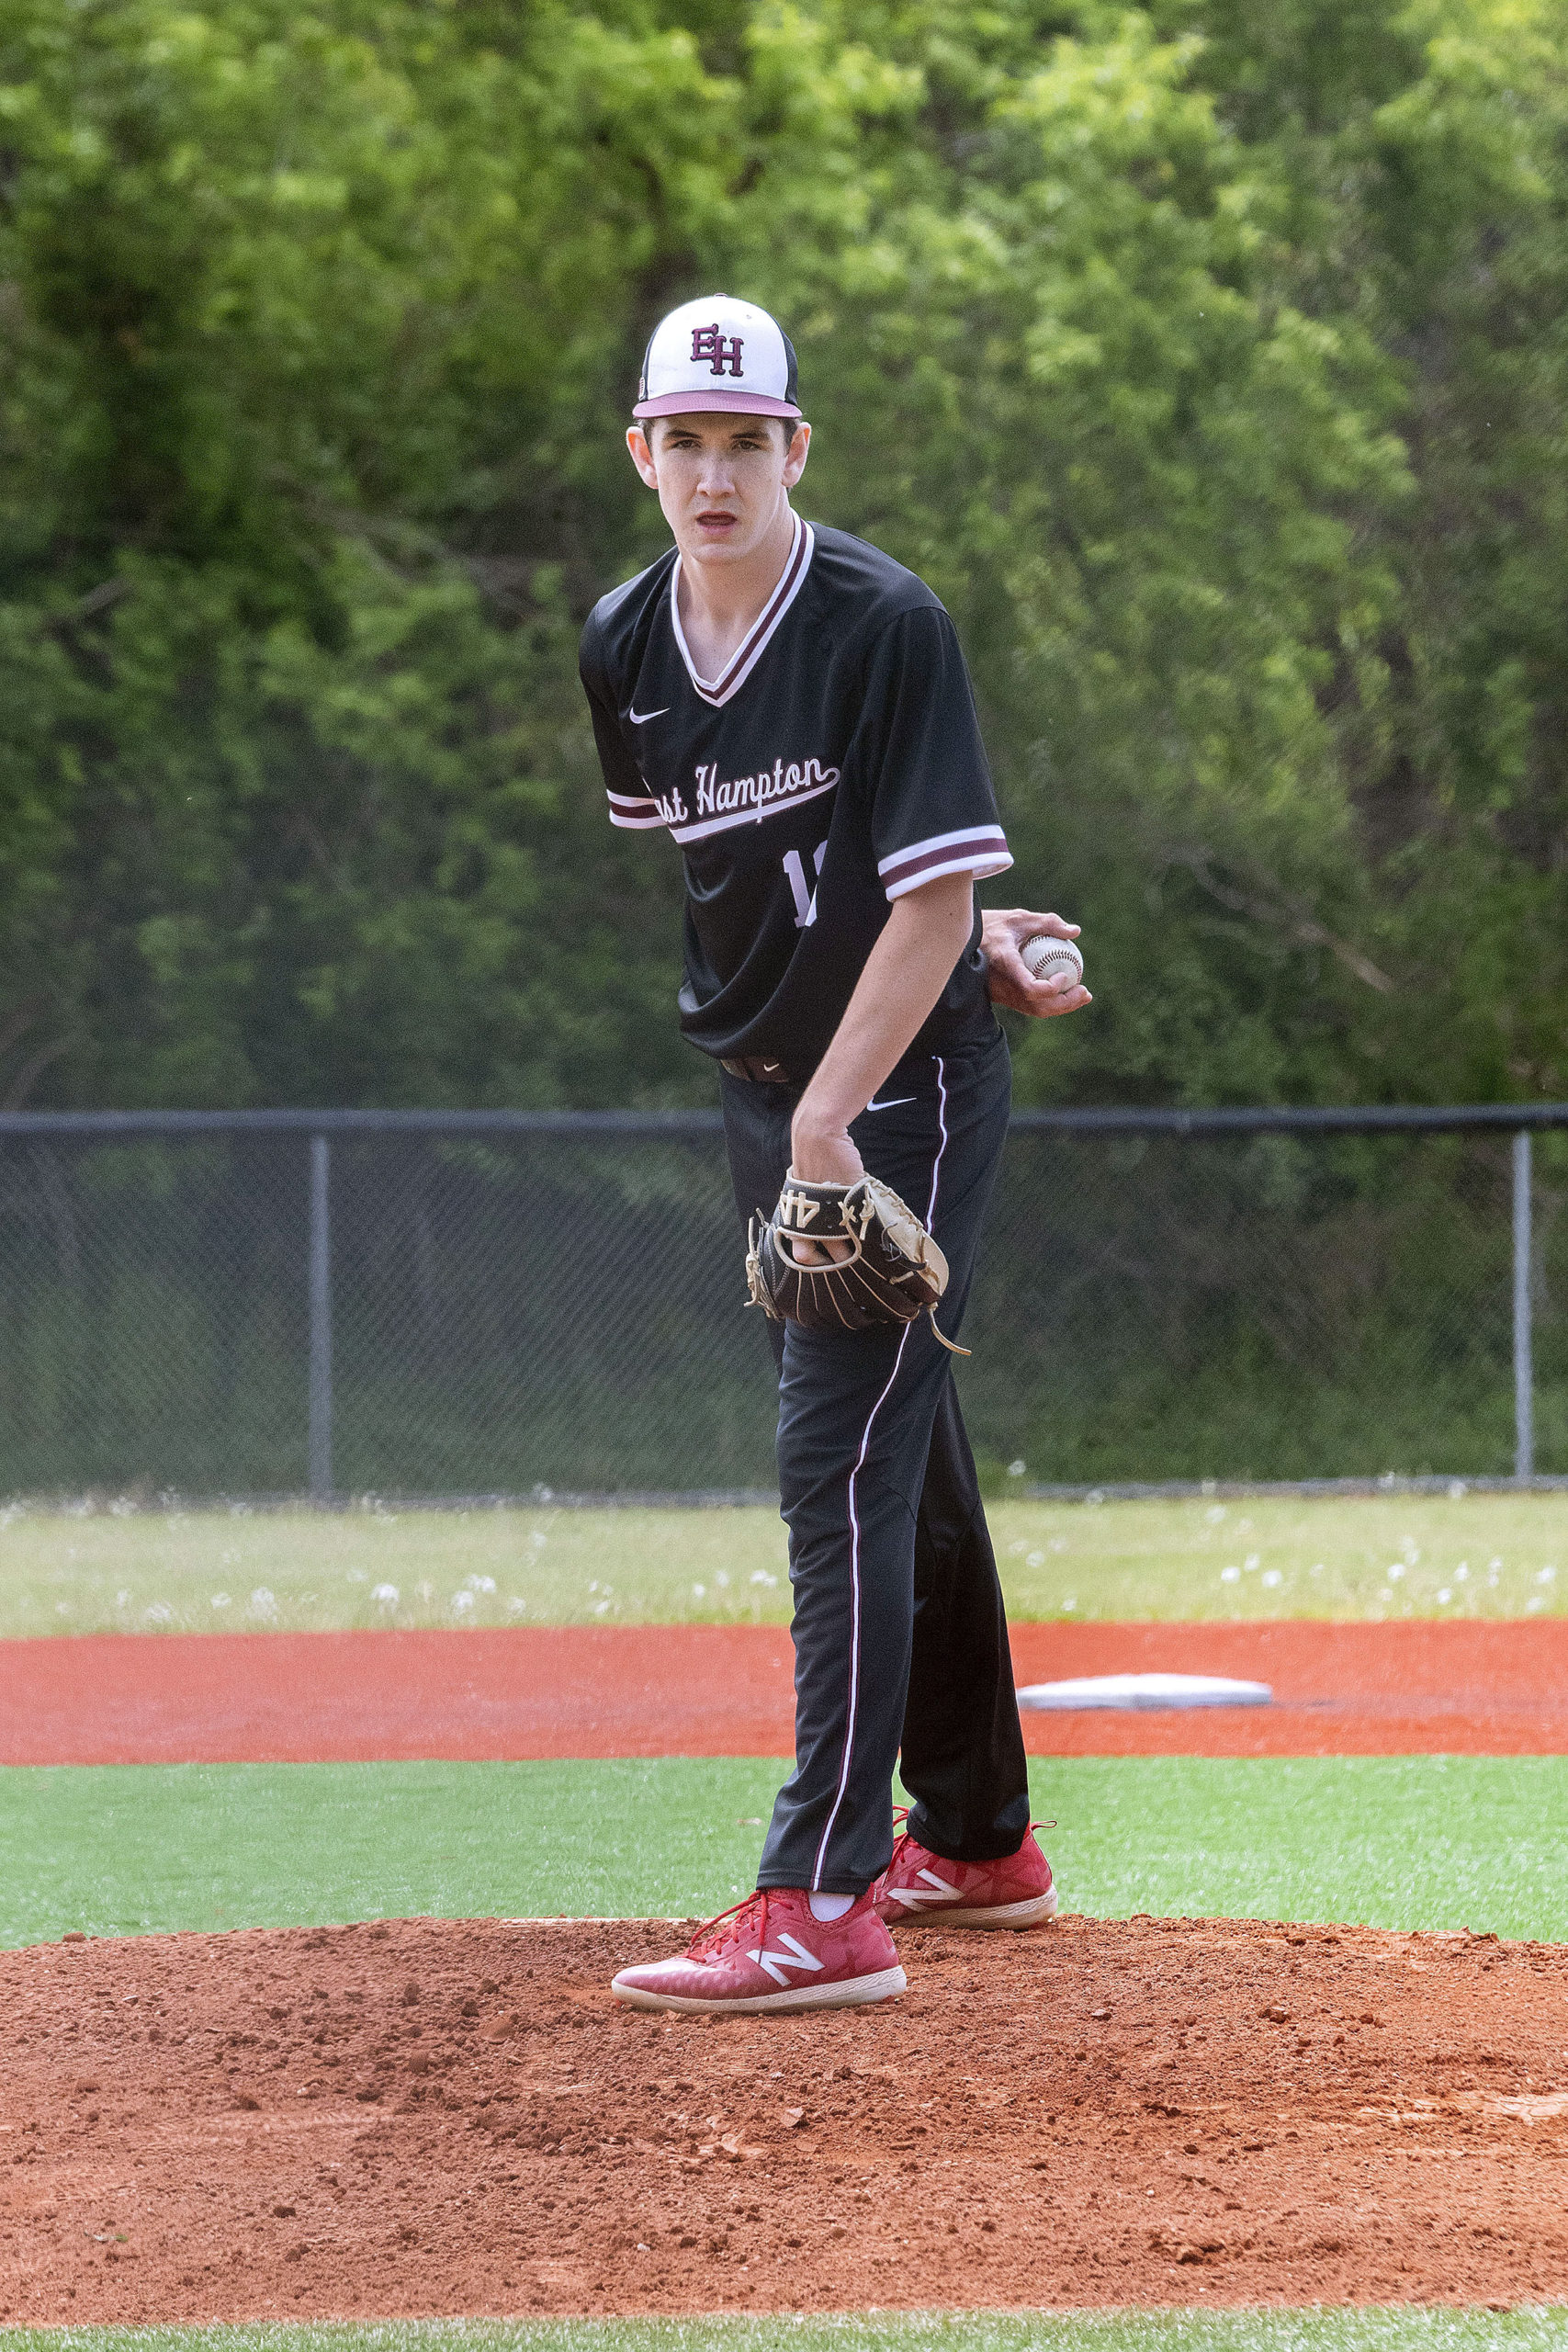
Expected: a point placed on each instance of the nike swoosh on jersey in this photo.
(892, 1103)
(641, 717)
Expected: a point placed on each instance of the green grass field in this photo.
(1540, 2330)
(117, 1568)
(1408, 1841)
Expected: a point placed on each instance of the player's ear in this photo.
(642, 455)
(795, 462)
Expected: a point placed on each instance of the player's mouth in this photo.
(716, 523)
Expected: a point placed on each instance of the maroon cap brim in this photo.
(735, 403)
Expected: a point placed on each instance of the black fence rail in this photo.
(427, 1302)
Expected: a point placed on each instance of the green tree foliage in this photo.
(1209, 359)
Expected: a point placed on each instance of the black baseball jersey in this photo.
(835, 766)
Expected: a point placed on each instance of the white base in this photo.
(1137, 1691)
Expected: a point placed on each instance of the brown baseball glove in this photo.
(873, 1261)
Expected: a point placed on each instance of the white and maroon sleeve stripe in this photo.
(633, 813)
(979, 850)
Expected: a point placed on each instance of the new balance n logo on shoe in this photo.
(915, 1898)
(775, 1962)
(1015, 1892)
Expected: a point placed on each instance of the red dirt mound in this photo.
(1417, 1688)
(456, 2118)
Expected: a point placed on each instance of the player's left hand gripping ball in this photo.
(882, 1267)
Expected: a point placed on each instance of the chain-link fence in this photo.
(490, 1303)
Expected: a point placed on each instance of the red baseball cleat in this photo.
(1016, 1891)
(769, 1953)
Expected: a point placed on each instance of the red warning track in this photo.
(1419, 1688)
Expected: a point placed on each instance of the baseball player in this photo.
(791, 707)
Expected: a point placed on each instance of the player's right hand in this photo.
(822, 1156)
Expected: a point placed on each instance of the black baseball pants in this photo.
(901, 1635)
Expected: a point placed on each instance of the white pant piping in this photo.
(855, 1515)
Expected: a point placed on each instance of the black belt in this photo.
(763, 1074)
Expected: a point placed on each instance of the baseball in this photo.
(1047, 958)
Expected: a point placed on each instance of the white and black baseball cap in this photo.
(720, 354)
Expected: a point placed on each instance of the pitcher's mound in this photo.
(444, 2118)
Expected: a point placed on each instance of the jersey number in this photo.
(805, 900)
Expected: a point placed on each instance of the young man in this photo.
(792, 708)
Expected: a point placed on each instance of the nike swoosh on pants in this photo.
(892, 1103)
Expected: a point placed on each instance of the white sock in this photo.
(832, 1907)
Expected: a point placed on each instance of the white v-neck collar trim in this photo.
(718, 691)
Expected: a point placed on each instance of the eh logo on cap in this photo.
(710, 343)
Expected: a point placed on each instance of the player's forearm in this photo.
(912, 963)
